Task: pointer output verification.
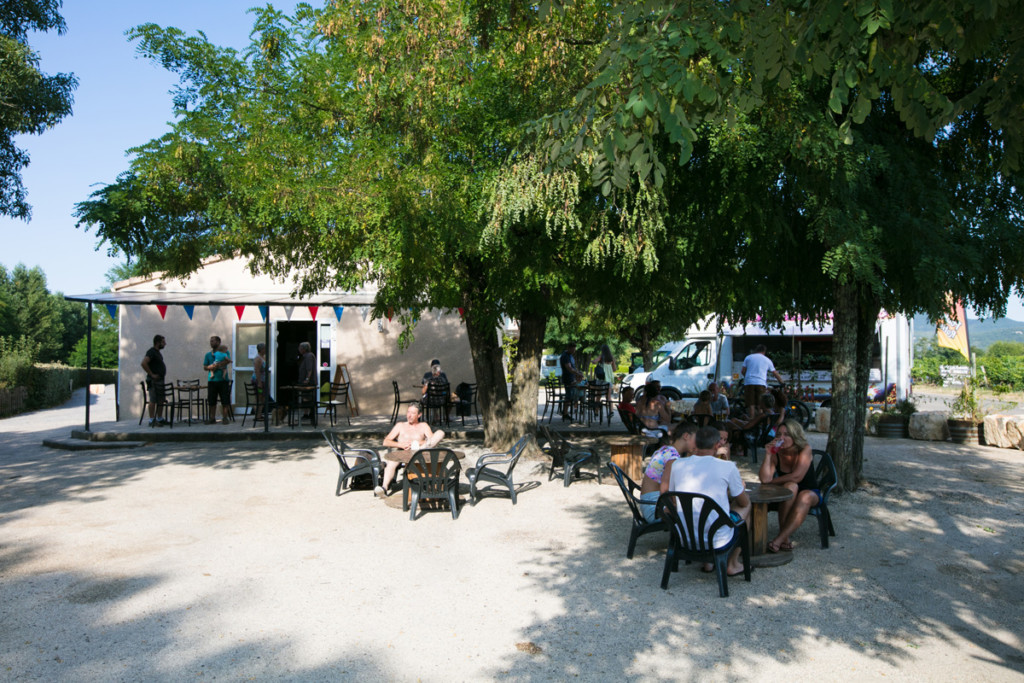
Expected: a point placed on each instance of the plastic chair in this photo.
(145, 401)
(554, 398)
(169, 404)
(432, 473)
(631, 421)
(567, 456)
(825, 472)
(691, 533)
(437, 403)
(496, 468)
(399, 402)
(467, 402)
(254, 404)
(367, 462)
(334, 398)
(755, 436)
(595, 398)
(641, 526)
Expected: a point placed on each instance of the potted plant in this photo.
(894, 419)
(965, 415)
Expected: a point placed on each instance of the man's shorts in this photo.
(752, 394)
(219, 390)
(155, 388)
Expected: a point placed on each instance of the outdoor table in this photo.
(761, 496)
(628, 453)
(189, 395)
(297, 400)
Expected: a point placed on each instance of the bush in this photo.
(16, 359)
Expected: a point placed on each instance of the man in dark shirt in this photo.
(156, 371)
(571, 377)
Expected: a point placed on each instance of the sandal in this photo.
(786, 546)
(774, 547)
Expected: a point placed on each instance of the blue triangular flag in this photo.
(264, 312)
(189, 310)
(337, 312)
(112, 310)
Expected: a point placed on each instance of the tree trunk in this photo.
(850, 368)
(644, 342)
(526, 376)
(492, 390)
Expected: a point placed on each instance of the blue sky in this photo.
(122, 101)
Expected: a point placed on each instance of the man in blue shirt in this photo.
(215, 363)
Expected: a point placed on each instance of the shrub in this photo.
(16, 359)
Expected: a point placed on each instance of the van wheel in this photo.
(671, 394)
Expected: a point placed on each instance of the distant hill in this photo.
(982, 333)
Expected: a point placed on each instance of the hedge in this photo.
(51, 384)
(999, 371)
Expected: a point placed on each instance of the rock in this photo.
(930, 426)
(1004, 431)
(822, 419)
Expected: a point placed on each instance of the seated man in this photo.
(718, 479)
(719, 403)
(411, 435)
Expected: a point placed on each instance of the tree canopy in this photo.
(30, 101)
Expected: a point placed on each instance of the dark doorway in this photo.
(289, 336)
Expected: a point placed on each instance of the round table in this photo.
(403, 457)
(761, 496)
(628, 453)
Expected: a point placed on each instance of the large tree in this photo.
(30, 101)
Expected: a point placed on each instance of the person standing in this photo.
(571, 378)
(156, 371)
(755, 371)
(215, 362)
(307, 377)
(259, 378)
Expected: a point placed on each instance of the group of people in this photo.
(574, 380)
(216, 363)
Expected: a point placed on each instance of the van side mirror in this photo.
(672, 363)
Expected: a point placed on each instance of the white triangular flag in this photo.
(214, 310)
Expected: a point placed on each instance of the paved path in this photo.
(237, 562)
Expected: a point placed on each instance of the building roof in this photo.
(186, 298)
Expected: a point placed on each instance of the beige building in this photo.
(225, 299)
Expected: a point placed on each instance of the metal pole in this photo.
(88, 366)
(266, 370)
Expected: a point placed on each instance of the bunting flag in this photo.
(214, 310)
(462, 312)
(952, 330)
(163, 311)
(136, 311)
(240, 310)
(288, 312)
(112, 311)
(313, 311)
(264, 312)
(363, 311)
(337, 312)
(391, 313)
(189, 310)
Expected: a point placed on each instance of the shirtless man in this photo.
(411, 435)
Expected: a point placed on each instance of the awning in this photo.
(192, 298)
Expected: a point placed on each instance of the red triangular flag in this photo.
(391, 312)
(312, 311)
(462, 312)
(239, 310)
(163, 310)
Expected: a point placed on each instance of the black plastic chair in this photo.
(467, 402)
(334, 398)
(399, 402)
(755, 436)
(145, 401)
(254, 404)
(169, 403)
(567, 456)
(432, 473)
(825, 472)
(631, 421)
(367, 462)
(640, 524)
(691, 534)
(496, 468)
(595, 400)
(554, 398)
(437, 403)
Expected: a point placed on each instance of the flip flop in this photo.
(736, 574)
(774, 547)
(786, 546)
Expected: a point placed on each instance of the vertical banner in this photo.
(313, 311)
(952, 330)
(189, 310)
(163, 311)
(112, 311)
(239, 310)
(264, 312)
(338, 311)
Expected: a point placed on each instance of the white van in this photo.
(709, 354)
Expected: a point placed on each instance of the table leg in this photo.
(759, 540)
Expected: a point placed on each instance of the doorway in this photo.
(289, 336)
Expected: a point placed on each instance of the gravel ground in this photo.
(237, 562)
